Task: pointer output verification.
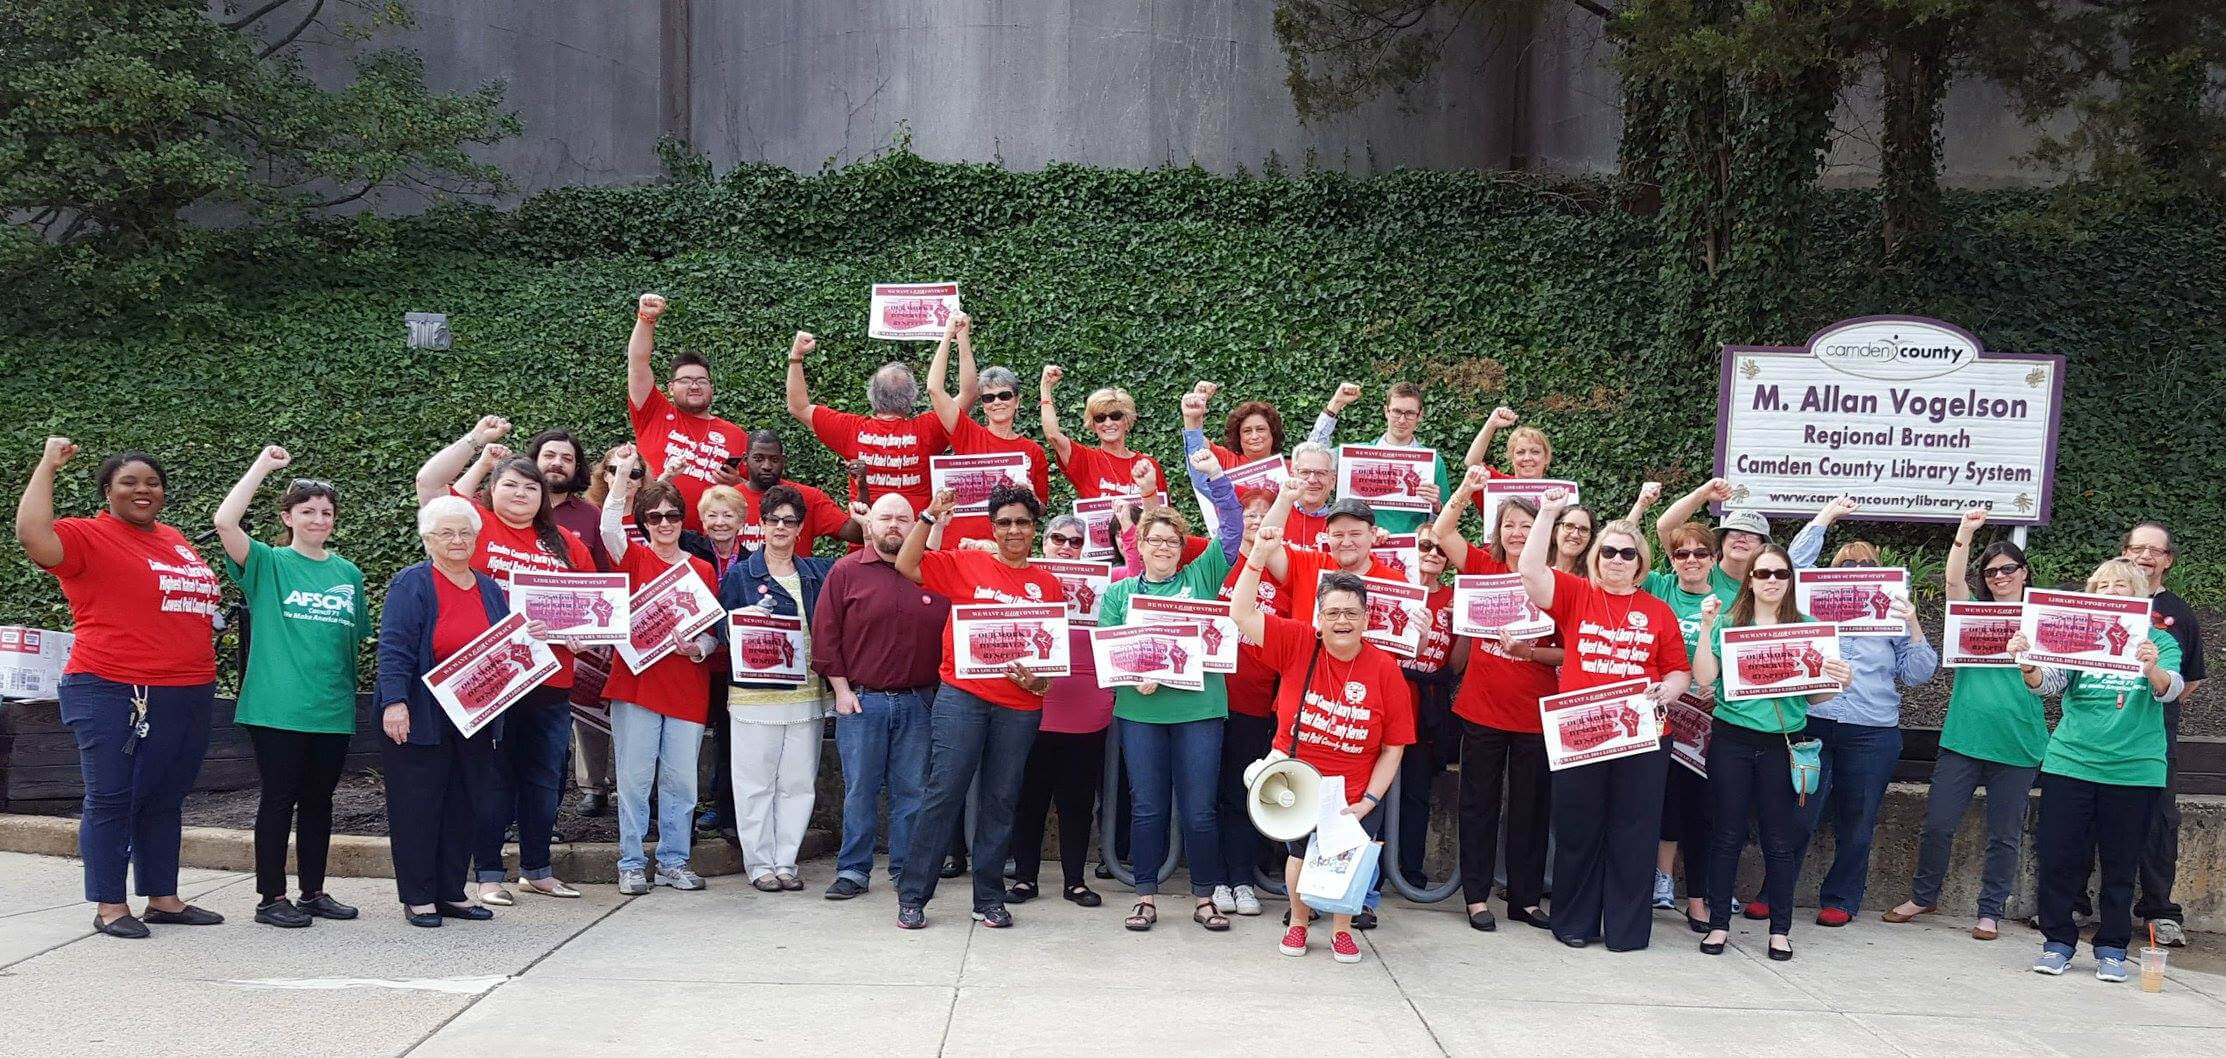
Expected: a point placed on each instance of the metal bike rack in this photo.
(1109, 807)
(1431, 895)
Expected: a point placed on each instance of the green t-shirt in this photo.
(1783, 714)
(308, 617)
(1686, 605)
(1201, 579)
(1993, 716)
(2101, 740)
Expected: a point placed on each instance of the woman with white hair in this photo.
(2099, 782)
(997, 388)
(893, 443)
(1109, 467)
(434, 775)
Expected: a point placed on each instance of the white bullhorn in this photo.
(1282, 795)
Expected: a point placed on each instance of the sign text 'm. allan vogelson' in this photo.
(1911, 418)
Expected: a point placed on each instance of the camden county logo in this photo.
(1896, 350)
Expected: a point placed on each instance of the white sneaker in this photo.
(632, 883)
(1224, 901)
(1248, 902)
(678, 877)
(2169, 933)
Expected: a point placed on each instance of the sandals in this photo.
(1210, 916)
(1979, 932)
(766, 884)
(1141, 917)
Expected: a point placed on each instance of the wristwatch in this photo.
(926, 518)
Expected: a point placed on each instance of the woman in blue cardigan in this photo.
(434, 775)
(777, 727)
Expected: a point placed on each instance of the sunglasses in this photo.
(1428, 549)
(1013, 523)
(998, 397)
(656, 517)
(1627, 554)
(1108, 416)
(1857, 563)
(638, 474)
(1063, 540)
(1771, 574)
(787, 521)
(1684, 553)
(2003, 570)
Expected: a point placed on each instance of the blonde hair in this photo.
(1638, 539)
(1855, 551)
(1531, 433)
(2118, 567)
(1108, 398)
(722, 495)
(599, 483)
(1167, 516)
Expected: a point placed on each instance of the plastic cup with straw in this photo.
(2152, 964)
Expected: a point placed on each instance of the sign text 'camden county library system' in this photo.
(1911, 418)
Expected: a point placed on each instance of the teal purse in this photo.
(1806, 757)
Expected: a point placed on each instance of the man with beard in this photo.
(893, 443)
(678, 437)
(878, 638)
(563, 465)
(767, 462)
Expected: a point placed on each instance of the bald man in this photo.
(878, 638)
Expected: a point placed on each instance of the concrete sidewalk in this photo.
(689, 972)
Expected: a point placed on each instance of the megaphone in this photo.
(1282, 796)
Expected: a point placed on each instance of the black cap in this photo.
(1350, 508)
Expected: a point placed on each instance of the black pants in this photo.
(1750, 776)
(1607, 818)
(1489, 755)
(1244, 739)
(722, 760)
(1688, 818)
(1437, 743)
(432, 794)
(2080, 820)
(1064, 769)
(300, 770)
(2160, 855)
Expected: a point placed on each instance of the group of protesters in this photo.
(971, 766)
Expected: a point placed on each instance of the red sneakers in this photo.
(1341, 947)
(1757, 910)
(1294, 941)
(1832, 916)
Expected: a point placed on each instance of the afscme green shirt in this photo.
(2112, 730)
(306, 618)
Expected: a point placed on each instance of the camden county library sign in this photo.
(1910, 417)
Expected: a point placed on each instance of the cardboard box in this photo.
(31, 661)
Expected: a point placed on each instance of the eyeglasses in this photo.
(1684, 554)
(1771, 574)
(1344, 612)
(1013, 523)
(1108, 416)
(1403, 413)
(787, 521)
(693, 380)
(1162, 541)
(1627, 554)
(449, 535)
(2147, 549)
(1311, 473)
(998, 397)
(1857, 563)
(2003, 570)
(656, 517)
(1063, 540)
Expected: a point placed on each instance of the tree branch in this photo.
(256, 15)
(289, 38)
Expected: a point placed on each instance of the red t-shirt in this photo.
(1096, 472)
(674, 686)
(1610, 638)
(970, 578)
(973, 439)
(459, 616)
(895, 451)
(502, 550)
(141, 602)
(1252, 686)
(1437, 640)
(698, 444)
(1353, 709)
(1304, 570)
(1306, 530)
(822, 517)
(1498, 691)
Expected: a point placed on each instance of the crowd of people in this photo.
(971, 766)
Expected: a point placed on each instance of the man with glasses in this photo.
(892, 443)
(998, 390)
(2149, 545)
(678, 437)
(1314, 468)
(1402, 416)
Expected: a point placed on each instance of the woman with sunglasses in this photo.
(1606, 816)
(1501, 733)
(1108, 469)
(591, 745)
(1995, 735)
(1067, 763)
(777, 727)
(657, 715)
(2104, 770)
(1750, 764)
(1432, 674)
(998, 390)
(298, 696)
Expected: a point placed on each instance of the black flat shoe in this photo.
(190, 916)
(324, 906)
(1698, 925)
(1482, 921)
(1102, 872)
(953, 866)
(1713, 949)
(283, 915)
(1084, 895)
(1020, 892)
(1364, 920)
(422, 919)
(472, 913)
(1573, 942)
(125, 926)
(1529, 917)
(1781, 954)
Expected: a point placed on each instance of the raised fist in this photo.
(1052, 373)
(59, 450)
(1289, 486)
(1837, 508)
(1649, 493)
(274, 457)
(1554, 498)
(944, 501)
(1144, 477)
(490, 428)
(1476, 478)
(802, 344)
(1502, 418)
(1203, 461)
(1717, 489)
(959, 323)
(649, 308)
(496, 453)
(1347, 392)
(1973, 518)
(859, 512)
(1708, 610)
(1194, 410)
(1206, 389)
(1267, 540)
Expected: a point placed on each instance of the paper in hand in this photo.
(1337, 832)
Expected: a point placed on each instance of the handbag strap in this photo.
(1783, 733)
(1300, 708)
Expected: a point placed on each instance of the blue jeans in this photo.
(884, 742)
(1858, 763)
(1186, 757)
(529, 769)
(134, 801)
(2008, 788)
(646, 746)
(969, 735)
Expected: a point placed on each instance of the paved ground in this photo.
(689, 972)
